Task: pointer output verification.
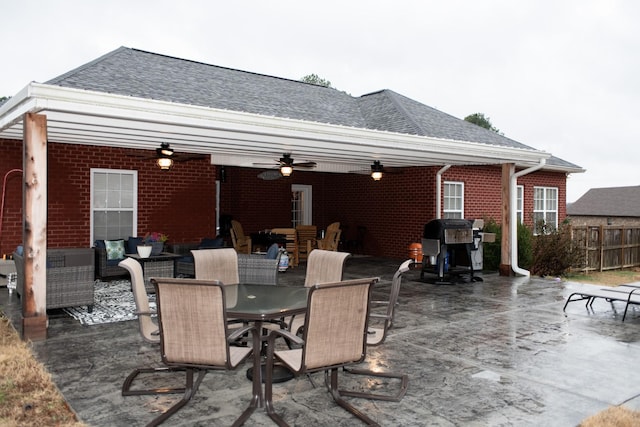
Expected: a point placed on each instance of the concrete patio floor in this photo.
(495, 353)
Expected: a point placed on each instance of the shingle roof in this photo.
(613, 201)
(137, 73)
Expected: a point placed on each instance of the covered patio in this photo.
(497, 352)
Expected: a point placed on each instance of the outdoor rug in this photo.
(113, 302)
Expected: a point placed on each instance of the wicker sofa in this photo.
(253, 268)
(70, 277)
(109, 269)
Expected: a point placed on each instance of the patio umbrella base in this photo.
(280, 373)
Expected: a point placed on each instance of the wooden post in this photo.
(34, 234)
(505, 269)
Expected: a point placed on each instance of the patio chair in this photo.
(334, 337)
(307, 240)
(376, 336)
(331, 238)
(628, 295)
(241, 243)
(292, 243)
(148, 330)
(216, 264)
(194, 335)
(322, 267)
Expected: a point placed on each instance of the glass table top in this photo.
(262, 302)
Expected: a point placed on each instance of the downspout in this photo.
(439, 190)
(513, 182)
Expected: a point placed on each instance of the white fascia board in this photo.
(240, 126)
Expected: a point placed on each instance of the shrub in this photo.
(492, 251)
(553, 252)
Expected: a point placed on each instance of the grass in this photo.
(28, 396)
(609, 278)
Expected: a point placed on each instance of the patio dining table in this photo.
(259, 304)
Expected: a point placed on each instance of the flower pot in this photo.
(144, 251)
(157, 247)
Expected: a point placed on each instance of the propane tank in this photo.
(283, 265)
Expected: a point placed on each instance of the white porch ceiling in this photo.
(234, 138)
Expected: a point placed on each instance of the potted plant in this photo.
(156, 240)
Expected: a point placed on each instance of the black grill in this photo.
(451, 242)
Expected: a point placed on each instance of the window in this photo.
(453, 200)
(519, 203)
(114, 201)
(545, 208)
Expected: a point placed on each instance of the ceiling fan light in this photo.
(164, 163)
(164, 150)
(286, 170)
(376, 170)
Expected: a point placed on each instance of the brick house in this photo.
(618, 206)
(110, 115)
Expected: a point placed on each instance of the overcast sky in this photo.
(559, 76)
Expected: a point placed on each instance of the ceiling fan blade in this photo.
(188, 157)
(305, 165)
(270, 175)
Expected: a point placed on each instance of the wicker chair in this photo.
(376, 335)
(334, 337)
(70, 277)
(241, 243)
(194, 335)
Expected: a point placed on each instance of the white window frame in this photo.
(520, 203)
(120, 205)
(545, 207)
(453, 204)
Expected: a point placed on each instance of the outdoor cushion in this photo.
(133, 243)
(115, 249)
(272, 252)
(209, 243)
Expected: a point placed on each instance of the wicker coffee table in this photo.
(161, 265)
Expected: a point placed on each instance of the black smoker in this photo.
(451, 242)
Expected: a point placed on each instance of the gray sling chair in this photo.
(334, 336)
(148, 330)
(194, 335)
(377, 334)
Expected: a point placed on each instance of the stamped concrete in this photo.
(500, 352)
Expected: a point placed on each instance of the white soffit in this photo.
(235, 138)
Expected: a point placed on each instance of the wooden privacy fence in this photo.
(607, 247)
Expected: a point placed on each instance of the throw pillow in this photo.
(133, 243)
(115, 249)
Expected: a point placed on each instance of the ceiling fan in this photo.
(165, 156)
(376, 170)
(286, 166)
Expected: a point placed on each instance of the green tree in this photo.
(4, 98)
(314, 79)
(482, 121)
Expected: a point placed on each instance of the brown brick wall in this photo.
(181, 202)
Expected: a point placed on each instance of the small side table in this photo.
(161, 265)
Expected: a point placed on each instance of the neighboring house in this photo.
(607, 206)
(105, 119)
